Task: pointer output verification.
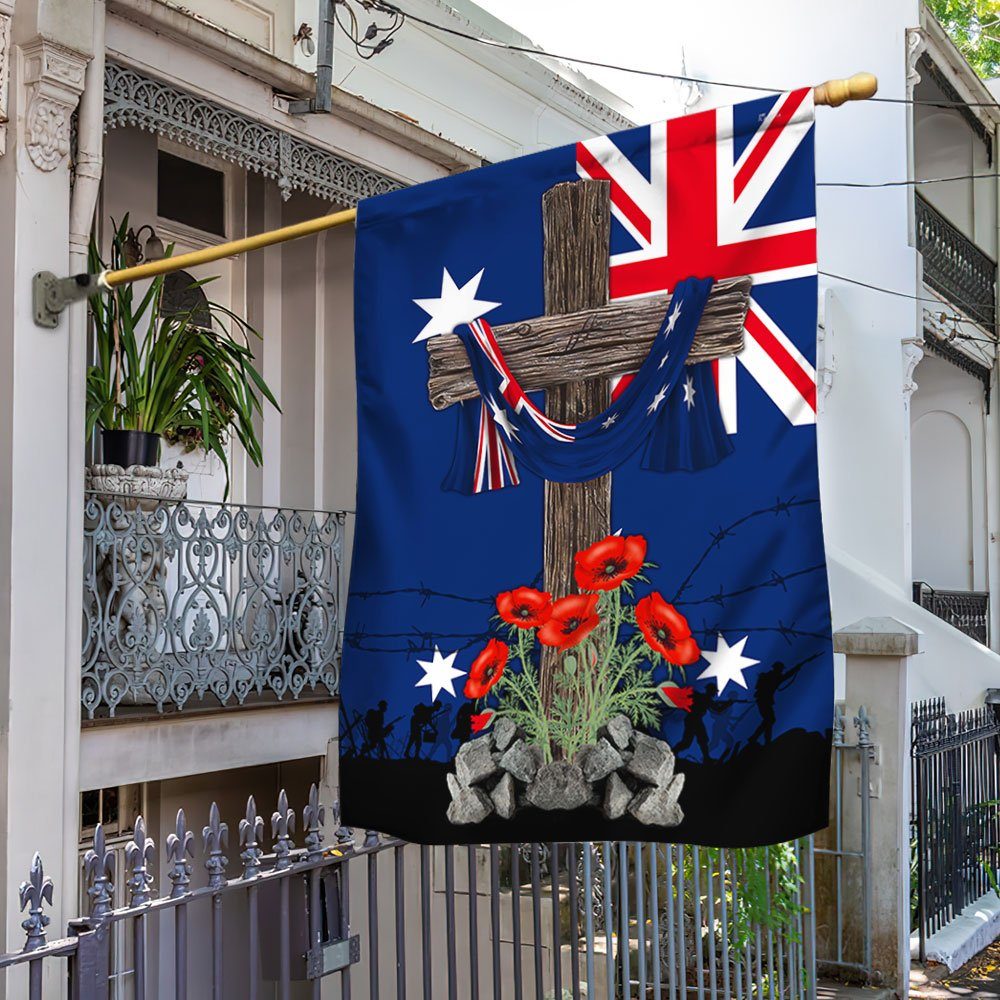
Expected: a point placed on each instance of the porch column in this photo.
(48, 50)
(878, 651)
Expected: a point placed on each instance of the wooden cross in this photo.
(571, 352)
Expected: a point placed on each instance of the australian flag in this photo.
(668, 676)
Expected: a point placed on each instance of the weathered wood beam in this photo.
(611, 340)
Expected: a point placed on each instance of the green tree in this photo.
(974, 26)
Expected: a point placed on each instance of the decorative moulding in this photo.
(53, 81)
(141, 482)
(134, 100)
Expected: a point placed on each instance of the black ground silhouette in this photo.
(759, 795)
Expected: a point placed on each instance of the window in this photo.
(190, 193)
(115, 808)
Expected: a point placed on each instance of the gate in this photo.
(955, 822)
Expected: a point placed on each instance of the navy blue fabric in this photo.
(732, 522)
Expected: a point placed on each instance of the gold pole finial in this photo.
(833, 93)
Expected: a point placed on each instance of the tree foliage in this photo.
(974, 26)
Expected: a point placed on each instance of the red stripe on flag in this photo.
(629, 208)
(767, 140)
(776, 351)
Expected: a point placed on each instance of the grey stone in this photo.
(617, 796)
(599, 760)
(619, 730)
(471, 805)
(652, 761)
(558, 785)
(659, 806)
(504, 733)
(522, 760)
(474, 763)
(454, 785)
(503, 797)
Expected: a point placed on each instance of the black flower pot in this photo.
(127, 448)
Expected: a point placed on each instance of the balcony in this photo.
(967, 610)
(955, 266)
(185, 600)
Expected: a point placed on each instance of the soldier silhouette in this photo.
(376, 732)
(765, 692)
(463, 722)
(702, 702)
(421, 726)
(441, 725)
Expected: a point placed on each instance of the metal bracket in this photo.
(322, 101)
(50, 295)
(333, 956)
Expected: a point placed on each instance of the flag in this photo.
(524, 660)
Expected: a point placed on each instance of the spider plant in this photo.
(160, 372)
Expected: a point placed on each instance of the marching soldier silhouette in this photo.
(376, 731)
(463, 722)
(702, 702)
(766, 691)
(422, 727)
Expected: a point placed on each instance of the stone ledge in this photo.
(878, 637)
(965, 936)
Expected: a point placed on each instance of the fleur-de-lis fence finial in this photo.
(344, 834)
(98, 869)
(139, 852)
(34, 893)
(216, 839)
(179, 849)
(863, 724)
(282, 827)
(251, 833)
(838, 725)
(312, 819)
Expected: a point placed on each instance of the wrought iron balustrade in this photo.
(186, 600)
(955, 266)
(967, 610)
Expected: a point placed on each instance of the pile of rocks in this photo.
(625, 771)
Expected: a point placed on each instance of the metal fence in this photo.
(185, 600)
(966, 610)
(378, 918)
(955, 266)
(955, 821)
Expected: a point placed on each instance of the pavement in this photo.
(978, 979)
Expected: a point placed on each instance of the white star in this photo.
(689, 392)
(672, 319)
(657, 399)
(454, 307)
(610, 422)
(439, 673)
(727, 663)
(663, 360)
(501, 419)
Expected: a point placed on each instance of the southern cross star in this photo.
(610, 422)
(439, 673)
(727, 663)
(672, 319)
(501, 419)
(657, 399)
(663, 360)
(689, 392)
(453, 307)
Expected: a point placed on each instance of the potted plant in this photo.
(187, 373)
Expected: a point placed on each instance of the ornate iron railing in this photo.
(955, 819)
(611, 919)
(955, 266)
(967, 610)
(186, 600)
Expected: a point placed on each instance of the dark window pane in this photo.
(90, 809)
(109, 806)
(190, 193)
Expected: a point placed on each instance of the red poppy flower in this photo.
(482, 720)
(607, 564)
(525, 607)
(666, 630)
(572, 618)
(486, 668)
(677, 696)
